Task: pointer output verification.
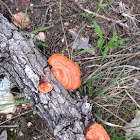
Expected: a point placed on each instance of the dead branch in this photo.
(104, 17)
(67, 115)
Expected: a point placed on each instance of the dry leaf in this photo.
(24, 2)
(81, 42)
(134, 126)
(6, 97)
(3, 135)
(18, 19)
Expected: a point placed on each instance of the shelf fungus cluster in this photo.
(97, 132)
(69, 74)
(65, 71)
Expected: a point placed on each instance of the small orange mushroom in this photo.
(97, 132)
(65, 71)
(45, 87)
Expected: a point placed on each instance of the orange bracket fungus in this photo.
(44, 87)
(65, 71)
(97, 132)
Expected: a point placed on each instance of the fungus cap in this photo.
(97, 132)
(45, 87)
(65, 71)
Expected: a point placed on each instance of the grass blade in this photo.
(40, 29)
(98, 29)
(24, 17)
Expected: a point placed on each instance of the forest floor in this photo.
(107, 53)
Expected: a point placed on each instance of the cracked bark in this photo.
(67, 115)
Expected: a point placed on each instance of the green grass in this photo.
(60, 13)
(24, 20)
(107, 82)
(15, 103)
(41, 44)
(36, 30)
(115, 78)
(102, 84)
(93, 82)
(19, 99)
(41, 29)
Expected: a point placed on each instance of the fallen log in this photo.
(67, 115)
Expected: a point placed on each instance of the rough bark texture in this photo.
(67, 115)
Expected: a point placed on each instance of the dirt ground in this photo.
(45, 13)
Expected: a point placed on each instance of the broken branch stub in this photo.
(67, 115)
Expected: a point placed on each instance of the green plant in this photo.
(41, 44)
(60, 8)
(113, 43)
(94, 81)
(40, 29)
(24, 17)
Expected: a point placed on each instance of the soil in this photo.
(45, 13)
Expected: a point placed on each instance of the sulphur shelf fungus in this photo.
(65, 71)
(6, 97)
(18, 19)
(97, 132)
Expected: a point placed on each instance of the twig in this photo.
(106, 18)
(46, 13)
(111, 112)
(125, 11)
(132, 99)
(107, 123)
(116, 117)
(8, 126)
(108, 56)
(6, 7)
(62, 24)
(127, 66)
(17, 116)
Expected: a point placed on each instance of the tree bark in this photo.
(67, 115)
